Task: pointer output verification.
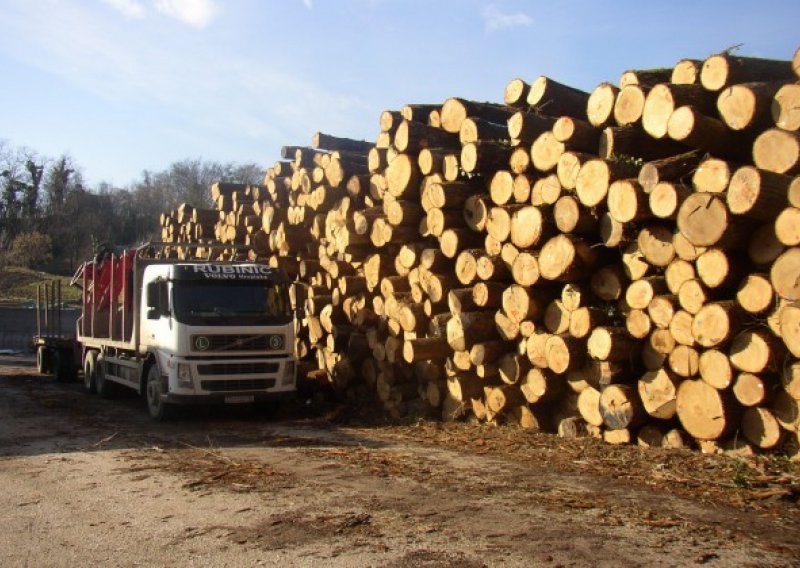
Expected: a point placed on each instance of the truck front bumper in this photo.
(227, 398)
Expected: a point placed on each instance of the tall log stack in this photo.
(623, 263)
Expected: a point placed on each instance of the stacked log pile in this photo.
(622, 263)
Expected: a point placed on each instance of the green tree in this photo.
(31, 250)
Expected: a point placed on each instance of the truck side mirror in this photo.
(152, 298)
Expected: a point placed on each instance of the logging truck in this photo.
(176, 332)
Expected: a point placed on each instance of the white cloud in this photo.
(129, 8)
(496, 20)
(308, 4)
(196, 13)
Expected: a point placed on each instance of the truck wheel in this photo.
(42, 357)
(89, 374)
(156, 406)
(104, 388)
(63, 366)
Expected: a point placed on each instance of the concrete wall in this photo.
(18, 326)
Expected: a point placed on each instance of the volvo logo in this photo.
(275, 341)
(201, 343)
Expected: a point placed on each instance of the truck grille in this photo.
(237, 385)
(254, 368)
(233, 343)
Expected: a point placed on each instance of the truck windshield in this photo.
(231, 303)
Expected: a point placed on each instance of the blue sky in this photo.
(128, 85)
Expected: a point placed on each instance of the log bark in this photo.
(611, 344)
(516, 93)
(704, 219)
(412, 137)
(631, 142)
(666, 198)
(747, 106)
(541, 386)
(671, 169)
(564, 353)
(455, 111)
(474, 129)
(484, 156)
(717, 322)
(525, 127)
(724, 69)
(566, 258)
(556, 99)
(595, 177)
(577, 134)
(689, 126)
(627, 201)
(663, 99)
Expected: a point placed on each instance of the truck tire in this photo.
(89, 372)
(158, 409)
(63, 366)
(104, 388)
(42, 360)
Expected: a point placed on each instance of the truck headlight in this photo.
(185, 375)
(288, 374)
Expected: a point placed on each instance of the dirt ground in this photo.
(90, 481)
